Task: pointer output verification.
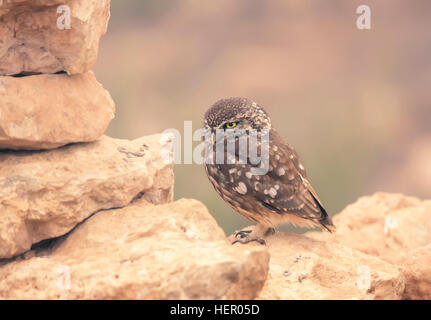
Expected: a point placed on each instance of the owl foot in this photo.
(243, 233)
(269, 232)
(260, 230)
(247, 238)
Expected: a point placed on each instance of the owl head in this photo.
(236, 113)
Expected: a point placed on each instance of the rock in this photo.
(37, 39)
(395, 228)
(417, 271)
(304, 268)
(48, 111)
(385, 225)
(45, 194)
(143, 251)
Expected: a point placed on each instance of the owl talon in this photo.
(248, 239)
(243, 233)
(269, 232)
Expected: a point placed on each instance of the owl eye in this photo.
(230, 125)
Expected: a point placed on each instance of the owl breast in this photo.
(234, 183)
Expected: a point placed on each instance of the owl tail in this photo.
(325, 221)
(327, 224)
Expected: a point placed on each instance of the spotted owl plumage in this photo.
(281, 195)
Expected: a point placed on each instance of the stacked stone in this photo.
(104, 204)
(56, 166)
(49, 97)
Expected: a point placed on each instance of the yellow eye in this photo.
(230, 125)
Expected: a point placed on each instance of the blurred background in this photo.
(354, 103)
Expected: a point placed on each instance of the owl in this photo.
(269, 194)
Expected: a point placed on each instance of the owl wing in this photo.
(285, 188)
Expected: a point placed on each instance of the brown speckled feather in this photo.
(281, 195)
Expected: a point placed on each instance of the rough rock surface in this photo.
(47, 111)
(304, 268)
(143, 251)
(31, 40)
(384, 225)
(45, 194)
(395, 228)
(417, 271)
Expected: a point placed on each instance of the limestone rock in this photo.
(47, 111)
(45, 194)
(304, 268)
(417, 271)
(384, 225)
(142, 251)
(36, 38)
